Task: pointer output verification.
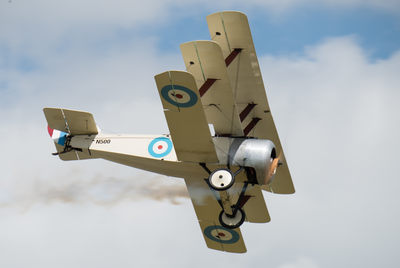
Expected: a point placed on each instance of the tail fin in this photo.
(63, 124)
(59, 137)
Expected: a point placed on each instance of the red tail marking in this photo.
(50, 130)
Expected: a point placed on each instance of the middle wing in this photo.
(204, 60)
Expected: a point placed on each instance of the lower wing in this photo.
(207, 210)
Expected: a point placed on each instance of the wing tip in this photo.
(228, 12)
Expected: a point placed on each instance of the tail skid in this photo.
(67, 147)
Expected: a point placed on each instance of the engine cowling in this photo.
(257, 154)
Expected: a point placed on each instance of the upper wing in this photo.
(207, 210)
(204, 60)
(232, 32)
(185, 117)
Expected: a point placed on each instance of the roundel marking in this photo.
(221, 234)
(160, 147)
(179, 96)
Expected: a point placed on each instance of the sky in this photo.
(331, 71)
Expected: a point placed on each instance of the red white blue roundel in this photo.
(179, 96)
(221, 234)
(160, 147)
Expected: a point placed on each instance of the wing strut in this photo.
(232, 56)
(207, 84)
(251, 125)
(246, 111)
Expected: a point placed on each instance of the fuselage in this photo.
(156, 153)
(153, 153)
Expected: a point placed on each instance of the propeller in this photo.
(272, 168)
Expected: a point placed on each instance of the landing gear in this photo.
(232, 221)
(221, 179)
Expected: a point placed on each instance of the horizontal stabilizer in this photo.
(62, 123)
(70, 121)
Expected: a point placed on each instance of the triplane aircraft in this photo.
(224, 173)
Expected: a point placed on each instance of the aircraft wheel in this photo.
(221, 179)
(232, 222)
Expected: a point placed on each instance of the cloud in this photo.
(281, 6)
(74, 13)
(301, 262)
(44, 21)
(337, 114)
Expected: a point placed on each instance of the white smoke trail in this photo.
(100, 190)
